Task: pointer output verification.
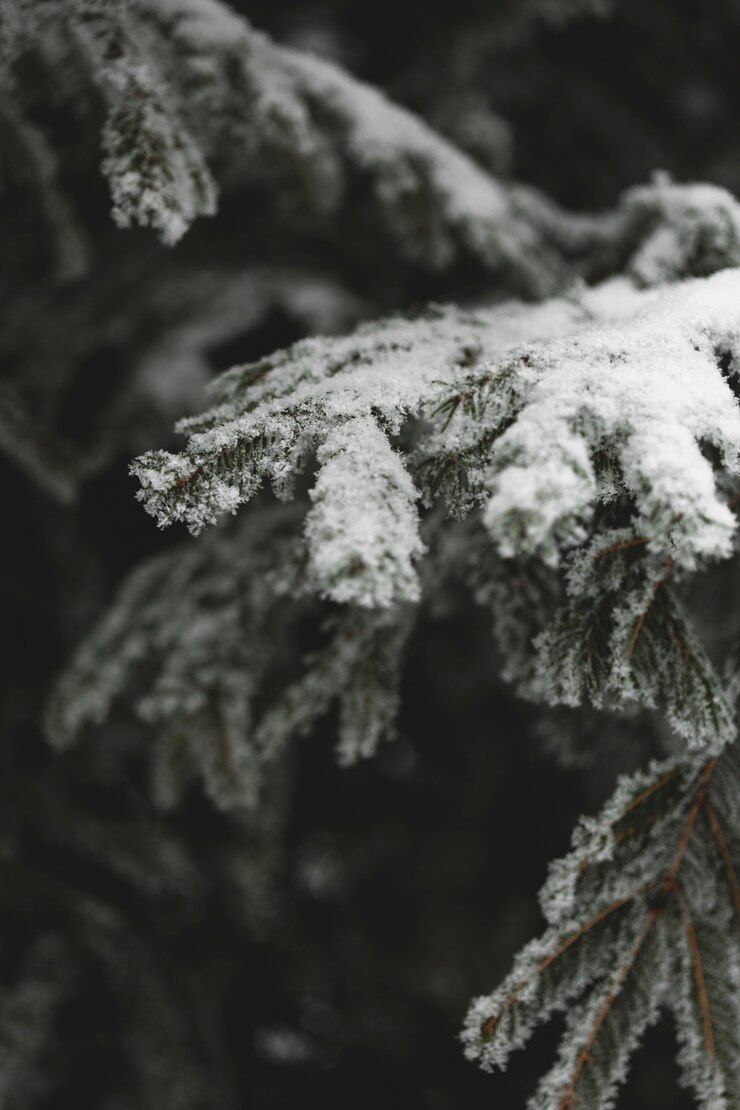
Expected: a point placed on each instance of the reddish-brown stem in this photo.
(488, 1026)
(699, 980)
(569, 1096)
(648, 791)
(625, 545)
(688, 829)
(724, 851)
(643, 615)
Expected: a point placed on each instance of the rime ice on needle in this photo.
(643, 392)
(188, 85)
(395, 414)
(598, 443)
(640, 919)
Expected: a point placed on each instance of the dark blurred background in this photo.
(401, 887)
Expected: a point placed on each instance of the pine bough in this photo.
(572, 464)
(193, 98)
(191, 101)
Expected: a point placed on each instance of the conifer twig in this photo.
(725, 853)
(569, 1097)
(644, 614)
(488, 1026)
(668, 888)
(699, 978)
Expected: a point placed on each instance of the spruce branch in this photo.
(190, 85)
(568, 464)
(591, 1063)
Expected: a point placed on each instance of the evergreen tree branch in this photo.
(569, 1097)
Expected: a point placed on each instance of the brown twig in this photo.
(643, 796)
(724, 851)
(625, 545)
(488, 1026)
(643, 615)
(569, 1096)
(224, 738)
(701, 985)
(648, 792)
(683, 844)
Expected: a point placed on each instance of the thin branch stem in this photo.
(644, 614)
(724, 851)
(625, 545)
(649, 791)
(688, 829)
(699, 979)
(490, 1024)
(569, 1096)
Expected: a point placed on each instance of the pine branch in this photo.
(647, 894)
(189, 84)
(489, 1026)
(569, 1097)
